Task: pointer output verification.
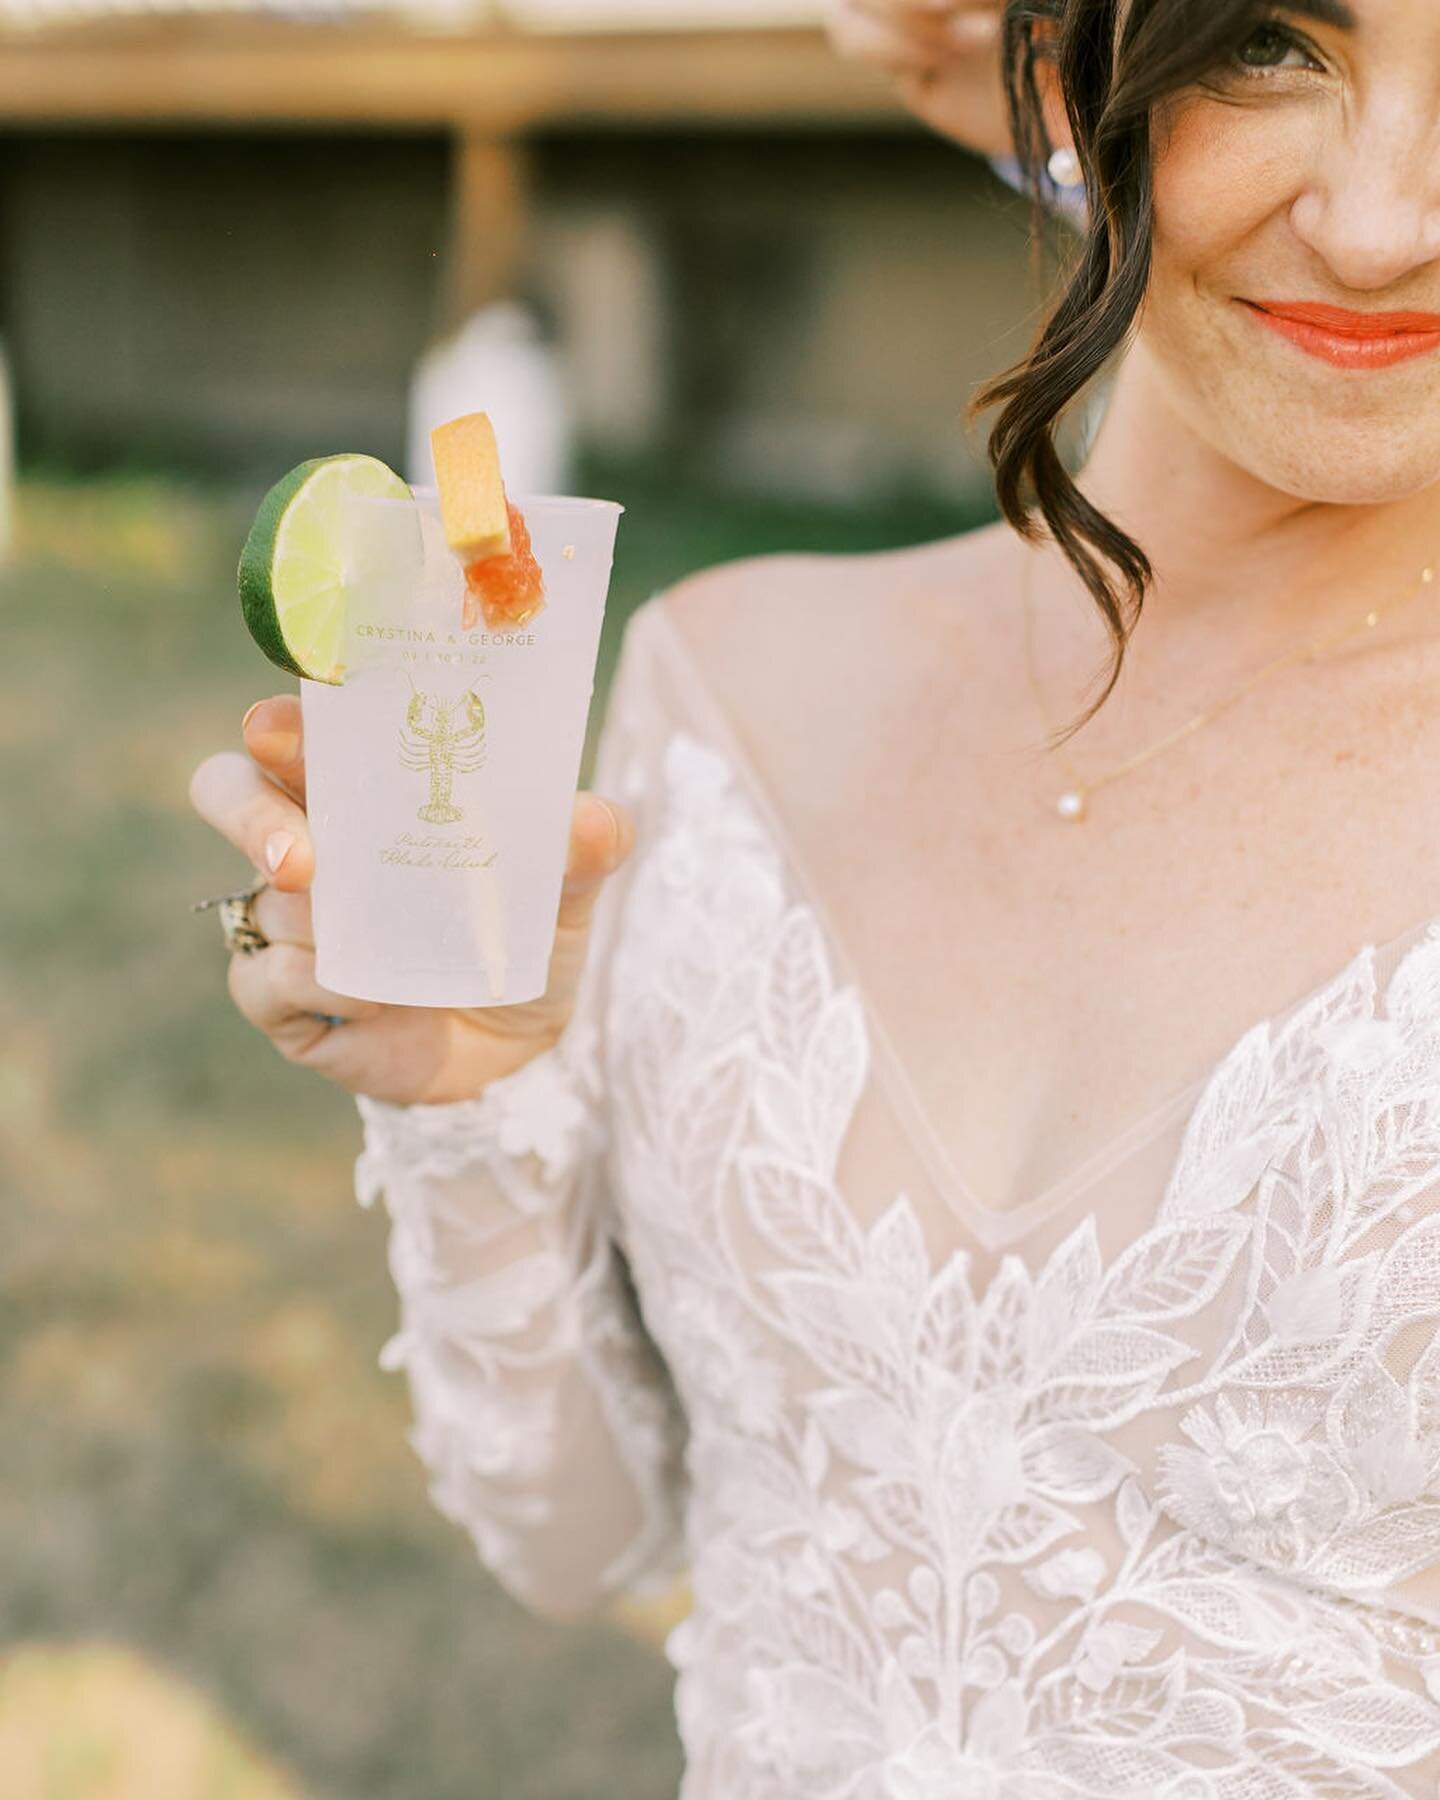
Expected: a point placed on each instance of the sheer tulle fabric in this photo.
(1132, 1491)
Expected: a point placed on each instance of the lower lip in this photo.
(1348, 352)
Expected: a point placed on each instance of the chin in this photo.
(1325, 485)
(1345, 469)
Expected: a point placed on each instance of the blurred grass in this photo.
(200, 1460)
(99, 1723)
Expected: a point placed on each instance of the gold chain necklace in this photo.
(1072, 804)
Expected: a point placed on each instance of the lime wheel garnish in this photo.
(291, 576)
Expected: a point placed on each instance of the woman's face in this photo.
(1313, 182)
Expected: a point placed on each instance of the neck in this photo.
(1230, 551)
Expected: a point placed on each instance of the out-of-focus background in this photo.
(687, 259)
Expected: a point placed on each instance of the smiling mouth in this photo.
(1349, 340)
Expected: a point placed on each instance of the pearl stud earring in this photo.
(1065, 170)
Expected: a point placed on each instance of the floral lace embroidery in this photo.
(1091, 1529)
(507, 1281)
(1154, 1526)
(544, 1106)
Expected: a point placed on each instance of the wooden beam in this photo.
(245, 71)
(488, 212)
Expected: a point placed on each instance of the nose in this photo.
(1371, 206)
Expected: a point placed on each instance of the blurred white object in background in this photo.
(602, 273)
(7, 458)
(496, 363)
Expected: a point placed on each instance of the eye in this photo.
(1264, 51)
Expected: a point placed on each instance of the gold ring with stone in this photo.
(243, 937)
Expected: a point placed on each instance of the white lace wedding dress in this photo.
(1131, 1491)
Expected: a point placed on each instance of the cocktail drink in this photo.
(445, 641)
(441, 773)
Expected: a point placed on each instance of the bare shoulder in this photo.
(767, 631)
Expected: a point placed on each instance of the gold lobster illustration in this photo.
(443, 748)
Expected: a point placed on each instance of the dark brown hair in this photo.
(1115, 64)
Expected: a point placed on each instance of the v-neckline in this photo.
(997, 1228)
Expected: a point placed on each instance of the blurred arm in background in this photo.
(944, 59)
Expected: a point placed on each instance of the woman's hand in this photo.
(401, 1054)
(944, 57)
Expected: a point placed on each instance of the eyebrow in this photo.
(1325, 12)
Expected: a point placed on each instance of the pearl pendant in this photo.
(1071, 805)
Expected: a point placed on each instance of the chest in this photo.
(1280, 1279)
(1048, 985)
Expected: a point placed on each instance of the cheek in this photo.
(1226, 178)
(1221, 173)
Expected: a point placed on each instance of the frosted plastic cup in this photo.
(441, 775)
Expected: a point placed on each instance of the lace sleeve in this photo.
(544, 1414)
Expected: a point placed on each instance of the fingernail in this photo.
(277, 848)
(614, 826)
(283, 747)
(251, 714)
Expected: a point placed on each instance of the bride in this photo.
(971, 1194)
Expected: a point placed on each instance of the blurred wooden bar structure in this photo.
(488, 87)
(246, 71)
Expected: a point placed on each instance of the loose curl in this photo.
(1115, 62)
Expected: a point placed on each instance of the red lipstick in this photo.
(1346, 339)
(1342, 322)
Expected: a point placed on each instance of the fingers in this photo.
(602, 835)
(909, 37)
(275, 989)
(400, 1054)
(230, 793)
(958, 22)
(977, 27)
(944, 60)
(284, 918)
(274, 735)
(960, 102)
(902, 42)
